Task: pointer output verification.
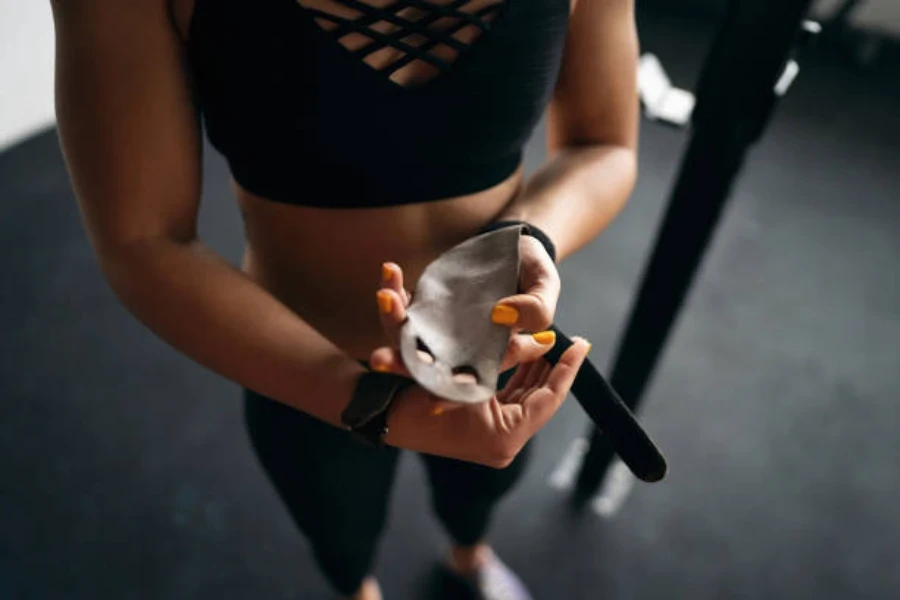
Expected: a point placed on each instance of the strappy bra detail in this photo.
(355, 103)
(414, 29)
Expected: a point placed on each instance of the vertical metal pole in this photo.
(734, 101)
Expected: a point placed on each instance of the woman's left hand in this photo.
(532, 310)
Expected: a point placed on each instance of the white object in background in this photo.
(877, 16)
(26, 69)
(616, 485)
(563, 476)
(662, 101)
(787, 77)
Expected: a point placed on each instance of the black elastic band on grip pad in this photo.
(530, 229)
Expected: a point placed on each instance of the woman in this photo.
(358, 133)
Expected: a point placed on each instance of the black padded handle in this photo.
(606, 409)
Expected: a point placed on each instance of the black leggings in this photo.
(337, 489)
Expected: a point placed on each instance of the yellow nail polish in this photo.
(381, 368)
(385, 272)
(385, 303)
(438, 410)
(545, 338)
(504, 315)
(589, 346)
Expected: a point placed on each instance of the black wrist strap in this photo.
(366, 415)
(530, 229)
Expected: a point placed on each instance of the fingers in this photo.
(538, 376)
(514, 396)
(392, 301)
(525, 348)
(531, 311)
(392, 313)
(539, 283)
(547, 398)
(392, 279)
(514, 382)
(563, 374)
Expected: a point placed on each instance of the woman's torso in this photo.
(324, 262)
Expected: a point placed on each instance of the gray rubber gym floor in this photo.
(125, 472)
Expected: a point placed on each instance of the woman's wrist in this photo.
(344, 379)
(409, 419)
(530, 229)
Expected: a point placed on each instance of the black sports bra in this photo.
(302, 119)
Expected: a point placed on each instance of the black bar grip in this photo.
(606, 409)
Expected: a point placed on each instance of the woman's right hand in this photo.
(490, 433)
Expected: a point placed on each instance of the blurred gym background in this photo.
(125, 471)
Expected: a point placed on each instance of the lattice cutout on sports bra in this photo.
(411, 41)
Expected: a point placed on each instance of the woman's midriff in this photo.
(325, 264)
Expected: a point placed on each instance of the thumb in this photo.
(553, 390)
(527, 347)
(530, 312)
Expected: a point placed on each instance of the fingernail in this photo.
(381, 368)
(545, 338)
(589, 346)
(385, 272)
(437, 410)
(464, 379)
(385, 304)
(504, 315)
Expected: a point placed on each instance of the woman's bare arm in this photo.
(131, 139)
(592, 130)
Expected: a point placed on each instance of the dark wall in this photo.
(708, 7)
